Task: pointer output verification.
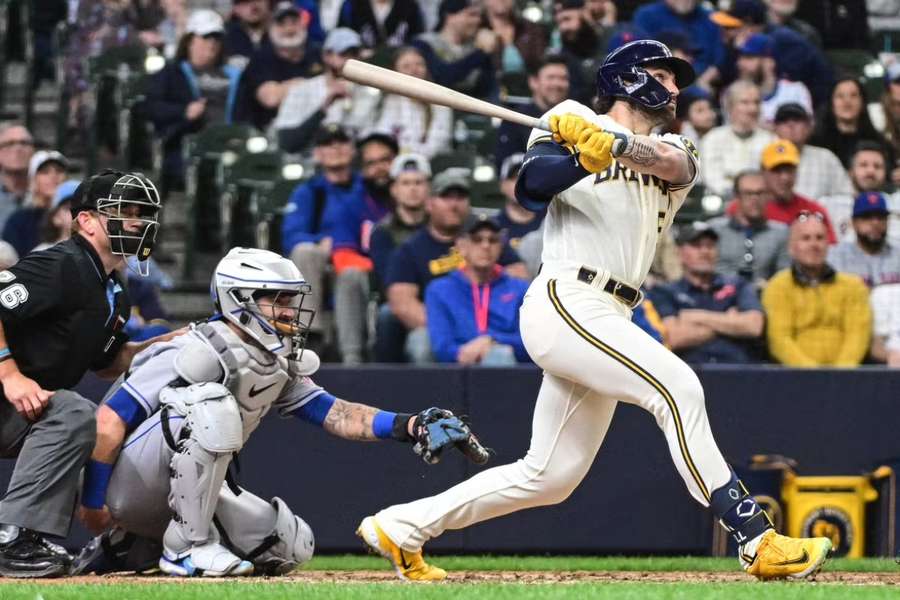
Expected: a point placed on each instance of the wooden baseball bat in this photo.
(428, 91)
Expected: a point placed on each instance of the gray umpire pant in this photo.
(50, 454)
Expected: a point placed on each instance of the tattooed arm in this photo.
(647, 155)
(353, 421)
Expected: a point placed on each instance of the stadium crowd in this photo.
(799, 264)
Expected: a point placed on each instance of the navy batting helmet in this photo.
(622, 74)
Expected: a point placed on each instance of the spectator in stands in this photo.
(645, 316)
(708, 317)
(458, 53)
(46, 171)
(148, 318)
(522, 44)
(755, 63)
(870, 255)
(689, 17)
(274, 68)
(885, 303)
(820, 173)
(247, 30)
(796, 59)
(817, 317)
(549, 84)
(890, 106)
(845, 121)
(601, 14)
(473, 312)
(326, 98)
(316, 211)
(781, 12)
(426, 255)
(750, 245)
(351, 244)
(779, 162)
(515, 220)
(383, 23)
(57, 225)
(868, 172)
(736, 146)
(16, 150)
(698, 117)
(410, 187)
(841, 23)
(194, 90)
(580, 46)
(419, 127)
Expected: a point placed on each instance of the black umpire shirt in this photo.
(62, 314)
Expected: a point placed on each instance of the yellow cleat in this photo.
(409, 566)
(779, 557)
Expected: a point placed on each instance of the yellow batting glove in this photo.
(595, 150)
(567, 128)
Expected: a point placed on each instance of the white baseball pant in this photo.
(593, 356)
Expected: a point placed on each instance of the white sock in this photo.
(749, 549)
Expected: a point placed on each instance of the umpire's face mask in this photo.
(132, 218)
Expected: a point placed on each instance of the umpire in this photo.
(62, 312)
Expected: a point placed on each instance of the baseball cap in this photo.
(410, 163)
(283, 9)
(475, 223)
(341, 40)
(780, 152)
(742, 12)
(331, 133)
(90, 189)
(791, 111)
(870, 203)
(511, 166)
(64, 192)
(205, 22)
(452, 178)
(758, 44)
(42, 157)
(692, 232)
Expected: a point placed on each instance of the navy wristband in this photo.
(96, 480)
(383, 424)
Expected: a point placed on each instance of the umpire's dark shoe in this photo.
(25, 554)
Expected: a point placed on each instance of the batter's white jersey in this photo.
(612, 220)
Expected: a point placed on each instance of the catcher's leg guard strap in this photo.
(739, 512)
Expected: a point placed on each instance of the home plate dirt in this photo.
(463, 577)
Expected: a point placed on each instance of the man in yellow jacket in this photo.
(817, 317)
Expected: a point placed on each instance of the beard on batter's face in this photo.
(659, 117)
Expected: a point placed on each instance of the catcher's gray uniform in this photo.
(206, 392)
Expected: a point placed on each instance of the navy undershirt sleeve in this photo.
(128, 408)
(549, 168)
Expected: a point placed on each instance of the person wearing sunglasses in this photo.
(16, 150)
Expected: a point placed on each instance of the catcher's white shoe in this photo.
(206, 560)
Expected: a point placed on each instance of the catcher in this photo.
(167, 432)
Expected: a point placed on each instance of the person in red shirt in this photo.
(779, 163)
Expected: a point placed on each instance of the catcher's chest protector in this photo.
(255, 377)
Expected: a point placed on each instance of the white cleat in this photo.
(206, 560)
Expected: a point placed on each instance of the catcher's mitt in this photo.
(435, 428)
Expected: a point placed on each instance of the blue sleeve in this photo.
(549, 168)
(316, 409)
(346, 227)
(402, 267)
(664, 301)
(747, 299)
(514, 337)
(298, 219)
(441, 326)
(128, 408)
(381, 248)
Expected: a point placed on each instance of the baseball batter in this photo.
(606, 215)
(190, 404)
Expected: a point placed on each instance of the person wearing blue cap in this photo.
(756, 63)
(870, 256)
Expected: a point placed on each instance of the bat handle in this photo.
(619, 144)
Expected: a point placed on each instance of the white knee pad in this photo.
(268, 534)
(212, 414)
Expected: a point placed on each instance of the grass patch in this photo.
(330, 591)
(349, 562)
